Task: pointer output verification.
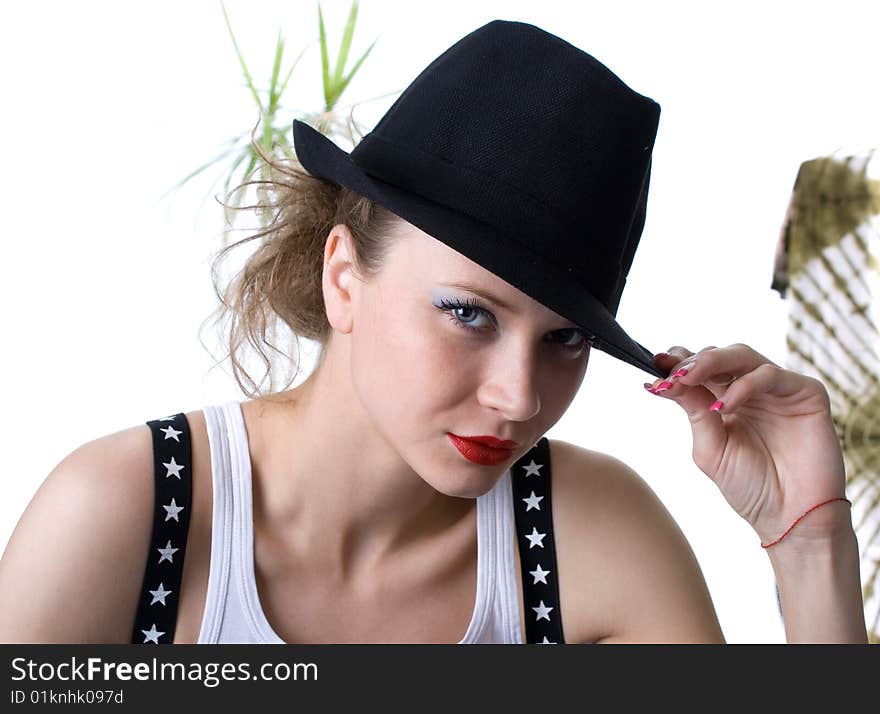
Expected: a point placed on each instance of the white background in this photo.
(104, 285)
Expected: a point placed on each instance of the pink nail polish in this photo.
(680, 373)
(648, 386)
(716, 407)
(663, 386)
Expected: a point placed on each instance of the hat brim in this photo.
(528, 272)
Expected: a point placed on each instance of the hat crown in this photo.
(513, 90)
(540, 127)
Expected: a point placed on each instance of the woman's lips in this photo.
(479, 453)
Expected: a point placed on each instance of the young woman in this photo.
(456, 268)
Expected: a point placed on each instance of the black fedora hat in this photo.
(526, 155)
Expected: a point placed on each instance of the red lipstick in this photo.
(475, 449)
(492, 441)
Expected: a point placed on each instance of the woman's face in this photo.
(429, 357)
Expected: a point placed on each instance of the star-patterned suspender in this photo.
(537, 552)
(172, 459)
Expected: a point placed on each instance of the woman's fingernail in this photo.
(680, 373)
(663, 386)
(650, 388)
(716, 407)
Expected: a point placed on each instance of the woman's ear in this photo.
(338, 278)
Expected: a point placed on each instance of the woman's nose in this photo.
(511, 387)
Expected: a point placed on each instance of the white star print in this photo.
(540, 574)
(533, 469)
(172, 511)
(171, 418)
(160, 594)
(171, 433)
(542, 611)
(173, 468)
(532, 502)
(545, 641)
(152, 635)
(167, 552)
(535, 538)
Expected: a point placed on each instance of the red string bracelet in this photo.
(830, 500)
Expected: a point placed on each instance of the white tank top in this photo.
(233, 613)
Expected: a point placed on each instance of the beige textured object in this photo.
(828, 268)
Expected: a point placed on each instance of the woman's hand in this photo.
(771, 448)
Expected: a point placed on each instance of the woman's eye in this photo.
(467, 316)
(463, 313)
(573, 339)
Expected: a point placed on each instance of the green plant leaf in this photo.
(272, 107)
(290, 72)
(276, 68)
(285, 145)
(344, 47)
(231, 172)
(247, 74)
(325, 70)
(250, 166)
(273, 140)
(192, 174)
(335, 85)
(355, 69)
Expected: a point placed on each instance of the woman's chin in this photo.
(469, 487)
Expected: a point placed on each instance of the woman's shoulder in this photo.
(82, 542)
(624, 563)
(595, 467)
(124, 459)
(586, 481)
(79, 546)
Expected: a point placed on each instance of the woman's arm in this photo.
(819, 585)
(766, 437)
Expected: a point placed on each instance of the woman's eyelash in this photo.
(448, 306)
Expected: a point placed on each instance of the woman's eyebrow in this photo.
(482, 293)
(486, 295)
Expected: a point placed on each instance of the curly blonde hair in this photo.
(279, 285)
